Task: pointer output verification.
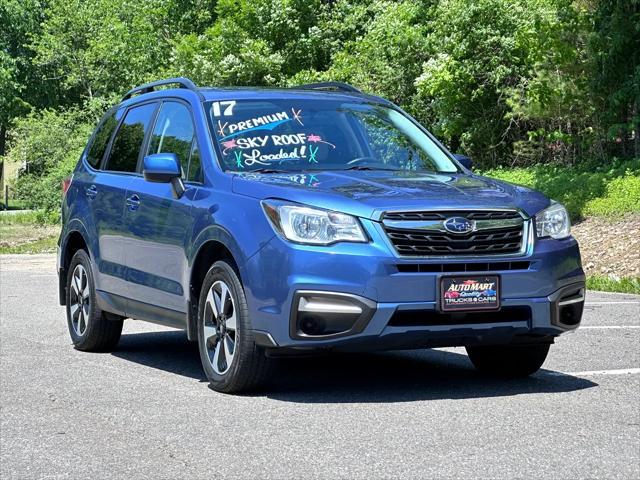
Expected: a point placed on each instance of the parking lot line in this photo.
(612, 303)
(622, 371)
(608, 327)
(592, 373)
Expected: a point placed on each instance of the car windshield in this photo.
(296, 135)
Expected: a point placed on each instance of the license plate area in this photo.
(469, 292)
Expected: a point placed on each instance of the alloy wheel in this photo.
(80, 300)
(220, 327)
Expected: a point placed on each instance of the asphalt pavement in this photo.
(145, 410)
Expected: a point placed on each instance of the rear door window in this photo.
(129, 138)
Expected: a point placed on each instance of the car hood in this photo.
(369, 193)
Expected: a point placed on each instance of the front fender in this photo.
(239, 225)
(236, 221)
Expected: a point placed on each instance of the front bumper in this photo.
(402, 295)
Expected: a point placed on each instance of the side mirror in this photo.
(464, 160)
(164, 168)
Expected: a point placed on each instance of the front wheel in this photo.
(508, 360)
(231, 360)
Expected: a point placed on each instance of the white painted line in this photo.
(611, 303)
(592, 373)
(613, 294)
(624, 371)
(608, 327)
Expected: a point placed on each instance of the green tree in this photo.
(615, 58)
(47, 145)
(387, 58)
(102, 47)
(20, 80)
(550, 107)
(476, 58)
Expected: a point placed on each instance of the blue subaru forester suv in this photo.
(266, 222)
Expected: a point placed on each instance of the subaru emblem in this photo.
(459, 225)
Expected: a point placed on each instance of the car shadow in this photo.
(398, 376)
(169, 351)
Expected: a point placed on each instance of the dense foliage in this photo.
(509, 82)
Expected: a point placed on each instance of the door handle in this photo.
(92, 191)
(133, 202)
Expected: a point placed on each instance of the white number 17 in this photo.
(228, 111)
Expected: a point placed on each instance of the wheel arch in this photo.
(215, 245)
(74, 240)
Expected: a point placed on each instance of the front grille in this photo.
(423, 234)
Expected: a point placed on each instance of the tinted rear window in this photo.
(128, 141)
(101, 138)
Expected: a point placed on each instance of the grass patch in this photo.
(19, 218)
(606, 284)
(609, 190)
(29, 217)
(14, 204)
(27, 232)
(42, 245)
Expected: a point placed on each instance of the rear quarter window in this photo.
(101, 138)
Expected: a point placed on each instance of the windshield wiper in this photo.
(267, 170)
(367, 167)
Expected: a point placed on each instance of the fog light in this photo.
(567, 306)
(323, 314)
(312, 325)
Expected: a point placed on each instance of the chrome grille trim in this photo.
(438, 225)
(494, 214)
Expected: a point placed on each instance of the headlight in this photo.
(312, 225)
(553, 222)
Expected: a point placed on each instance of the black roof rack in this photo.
(150, 87)
(345, 87)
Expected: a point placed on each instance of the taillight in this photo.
(66, 183)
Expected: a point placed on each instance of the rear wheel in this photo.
(508, 360)
(231, 360)
(90, 328)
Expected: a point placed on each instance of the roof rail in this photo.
(150, 87)
(345, 87)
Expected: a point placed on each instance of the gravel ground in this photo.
(144, 411)
(610, 247)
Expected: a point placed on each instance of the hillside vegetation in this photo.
(512, 83)
(609, 190)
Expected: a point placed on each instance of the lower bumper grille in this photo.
(461, 267)
(416, 318)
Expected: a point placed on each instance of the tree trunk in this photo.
(3, 139)
(454, 144)
(3, 136)
(635, 115)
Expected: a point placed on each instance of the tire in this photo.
(91, 329)
(232, 361)
(508, 360)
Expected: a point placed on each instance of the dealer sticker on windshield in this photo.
(470, 293)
